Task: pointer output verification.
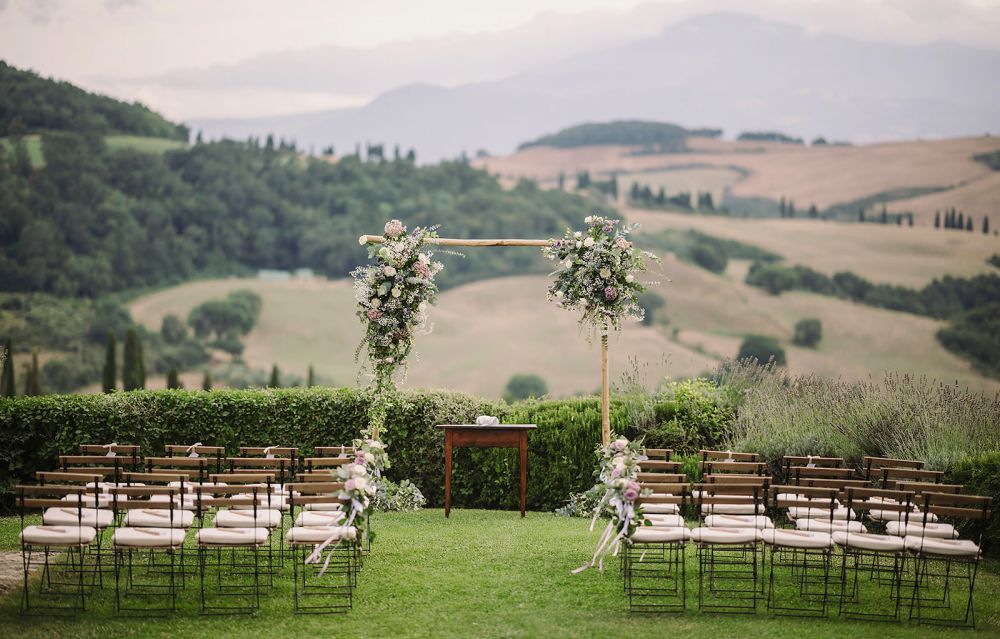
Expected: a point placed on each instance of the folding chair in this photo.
(728, 456)
(822, 524)
(62, 548)
(872, 556)
(146, 548)
(343, 452)
(127, 453)
(658, 454)
(805, 554)
(329, 582)
(872, 466)
(230, 556)
(94, 506)
(728, 567)
(808, 461)
(801, 475)
(653, 563)
(956, 560)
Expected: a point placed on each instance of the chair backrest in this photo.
(335, 451)
(660, 478)
(921, 487)
(726, 493)
(93, 482)
(659, 466)
(875, 465)
(312, 464)
(798, 473)
(728, 455)
(840, 484)
(196, 468)
(738, 467)
(808, 461)
(869, 499)
(125, 498)
(213, 495)
(41, 497)
(890, 476)
(110, 467)
(315, 492)
(971, 508)
(199, 451)
(127, 451)
(659, 454)
(282, 468)
(272, 452)
(805, 497)
(749, 480)
(673, 493)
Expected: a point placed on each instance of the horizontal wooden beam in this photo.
(450, 241)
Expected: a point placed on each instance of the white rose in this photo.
(422, 306)
(621, 444)
(559, 294)
(369, 457)
(390, 271)
(588, 242)
(360, 483)
(605, 273)
(630, 278)
(358, 471)
(423, 258)
(376, 302)
(396, 292)
(579, 244)
(567, 263)
(389, 360)
(588, 219)
(362, 240)
(578, 234)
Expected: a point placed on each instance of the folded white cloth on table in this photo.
(487, 420)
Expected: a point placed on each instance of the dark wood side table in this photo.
(473, 436)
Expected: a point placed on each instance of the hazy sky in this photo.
(124, 47)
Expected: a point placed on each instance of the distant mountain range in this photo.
(728, 70)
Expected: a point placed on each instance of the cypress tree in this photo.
(311, 379)
(7, 385)
(275, 379)
(790, 209)
(206, 382)
(172, 380)
(968, 224)
(32, 381)
(781, 207)
(986, 225)
(861, 216)
(109, 374)
(131, 375)
(909, 219)
(937, 219)
(884, 215)
(141, 363)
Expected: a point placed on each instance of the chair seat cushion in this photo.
(657, 535)
(942, 547)
(157, 518)
(273, 501)
(797, 538)
(58, 535)
(826, 526)
(319, 518)
(659, 509)
(868, 541)
(723, 536)
(319, 534)
(93, 517)
(328, 507)
(732, 509)
(895, 515)
(232, 536)
(917, 529)
(739, 521)
(266, 518)
(102, 500)
(665, 521)
(149, 537)
(801, 512)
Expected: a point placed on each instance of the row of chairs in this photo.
(156, 522)
(897, 527)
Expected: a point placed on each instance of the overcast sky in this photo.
(128, 47)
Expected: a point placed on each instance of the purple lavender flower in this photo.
(610, 293)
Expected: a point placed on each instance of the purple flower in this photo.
(349, 485)
(610, 293)
(631, 491)
(607, 228)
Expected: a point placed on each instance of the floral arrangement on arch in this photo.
(393, 295)
(618, 467)
(597, 273)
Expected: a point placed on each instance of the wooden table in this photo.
(473, 436)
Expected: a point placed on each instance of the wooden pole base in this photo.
(605, 393)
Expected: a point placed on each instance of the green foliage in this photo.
(707, 251)
(8, 387)
(206, 382)
(768, 136)
(235, 315)
(109, 373)
(689, 416)
(980, 474)
(709, 258)
(652, 303)
(33, 103)
(173, 381)
(994, 260)
(108, 318)
(33, 381)
(173, 330)
(36, 320)
(991, 159)
(523, 386)
(658, 136)
(133, 368)
(66, 374)
(311, 377)
(401, 497)
(762, 349)
(975, 335)
(808, 332)
(275, 381)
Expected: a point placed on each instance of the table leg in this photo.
(524, 468)
(447, 473)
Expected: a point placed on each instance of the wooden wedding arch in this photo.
(605, 383)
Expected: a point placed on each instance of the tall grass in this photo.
(901, 415)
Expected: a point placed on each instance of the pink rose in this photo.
(394, 228)
(422, 269)
(631, 491)
(615, 472)
(374, 314)
(349, 485)
(360, 459)
(622, 243)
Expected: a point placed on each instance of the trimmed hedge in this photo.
(34, 430)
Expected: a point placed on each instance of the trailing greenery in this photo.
(35, 104)
(659, 136)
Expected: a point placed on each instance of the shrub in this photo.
(981, 476)
(762, 349)
(651, 302)
(773, 278)
(709, 257)
(689, 416)
(808, 332)
(524, 386)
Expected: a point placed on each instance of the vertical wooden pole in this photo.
(605, 394)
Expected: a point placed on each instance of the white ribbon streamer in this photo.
(192, 451)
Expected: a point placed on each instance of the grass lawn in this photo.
(481, 574)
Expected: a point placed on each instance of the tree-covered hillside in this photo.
(33, 104)
(664, 137)
(96, 220)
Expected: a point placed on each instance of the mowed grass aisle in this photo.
(479, 574)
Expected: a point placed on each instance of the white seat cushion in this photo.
(58, 535)
(329, 507)
(797, 538)
(657, 535)
(319, 534)
(659, 509)
(894, 515)
(917, 529)
(942, 547)
(319, 518)
(736, 536)
(731, 509)
(665, 521)
(801, 512)
(266, 518)
(826, 526)
(102, 500)
(93, 517)
(156, 518)
(868, 541)
(149, 537)
(274, 501)
(232, 536)
(739, 521)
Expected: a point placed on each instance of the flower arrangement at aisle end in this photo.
(394, 294)
(372, 453)
(598, 273)
(618, 467)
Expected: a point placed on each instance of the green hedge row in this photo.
(34, 430)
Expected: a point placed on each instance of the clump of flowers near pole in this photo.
(597, 273)
(393, 295)
(618, 467)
